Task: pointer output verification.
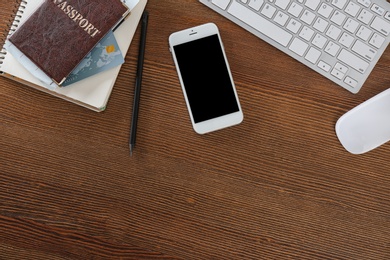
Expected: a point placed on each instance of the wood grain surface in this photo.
(278, 186)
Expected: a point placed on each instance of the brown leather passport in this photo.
(59, 34)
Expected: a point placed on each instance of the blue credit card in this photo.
(104, 56)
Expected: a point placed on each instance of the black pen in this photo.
(138, 80)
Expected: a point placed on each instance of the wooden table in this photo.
(278, 186)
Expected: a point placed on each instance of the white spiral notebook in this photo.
(93, 92)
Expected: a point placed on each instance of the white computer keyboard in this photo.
(340, 39)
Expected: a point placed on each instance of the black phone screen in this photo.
(206, 78)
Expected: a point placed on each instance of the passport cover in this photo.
(59, 34)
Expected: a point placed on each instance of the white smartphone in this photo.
(205, 78)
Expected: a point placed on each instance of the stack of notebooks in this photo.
(38, 53)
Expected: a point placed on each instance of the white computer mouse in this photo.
(367, 126)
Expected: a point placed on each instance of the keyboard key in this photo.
(298, 46)
(268, 10)
(306, 33)
(341, 67)
(377, 40)
(281, 18)
(308, 17)
(256, 4)
(352, 9)
(364, 33)
(377, 9)
(313, 4)
(325, 10)
(364, 50)
(324, 66)
(319, 41)
(351, 82)
(339, 3)
(365, 16)
(295, 9)
(346, 40)
(353, 61)
(338, 18)
(332, 49)
(320, 24)
(313, 55)
(365, 3)
(338, 74)
(221, 3)
(381, 26)
(351, 25)
(282, 3)
(333, 32)
(387, 15)
(260, 24)
(294, 26)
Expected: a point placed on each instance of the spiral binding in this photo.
(12, 25)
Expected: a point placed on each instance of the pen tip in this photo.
(131, 150)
